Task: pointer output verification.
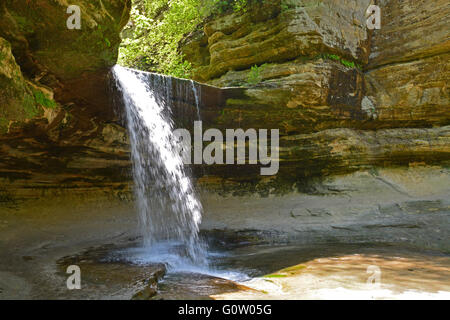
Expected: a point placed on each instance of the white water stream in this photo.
(169, 210)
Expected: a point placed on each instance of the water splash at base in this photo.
(169, 210)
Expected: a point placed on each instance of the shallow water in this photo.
(36, 250)
(331, 271)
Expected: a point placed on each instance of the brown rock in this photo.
(270, 34)
(410, 30)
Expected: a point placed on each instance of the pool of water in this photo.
(325, 271)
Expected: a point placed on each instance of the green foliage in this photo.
(240, 5)
(254, 77)
(284, 6)
(100, 34)
(218, 7)
(347, 63)
(157, 26)
(42, 99)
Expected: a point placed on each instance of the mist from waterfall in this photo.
(169, 210)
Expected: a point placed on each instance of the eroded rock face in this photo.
(295, 84)
(410, 30)
(409, 63)
(42, 42)
(413, 93)
(308, 157)
(340, 94)
(73, 63)
(316, 66)
(297, 97)
(274, 33)
(17, 100)
(55, 111)
(299, 87)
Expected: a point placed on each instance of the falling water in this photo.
(197, 98)
(169, 211)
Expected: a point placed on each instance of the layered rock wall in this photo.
(315, 71)
(56, 130)
(343, 97)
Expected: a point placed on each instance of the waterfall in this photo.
(169, 210)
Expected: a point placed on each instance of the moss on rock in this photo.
(17, 100)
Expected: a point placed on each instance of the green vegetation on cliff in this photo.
(254, 76)
(347, 63)
(155, 29)
(43, 100)
(151, 38)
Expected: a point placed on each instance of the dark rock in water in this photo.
(149, 292)
(126, 280)
(151, 286)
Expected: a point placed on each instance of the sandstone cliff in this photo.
(55, 115)
(341, 94)
(344, 98)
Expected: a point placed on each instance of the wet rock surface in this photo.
(340, 272)
(104, 276)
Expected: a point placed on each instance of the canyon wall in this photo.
(56, 122)
(363, 115)
(344, 97)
